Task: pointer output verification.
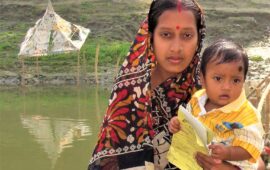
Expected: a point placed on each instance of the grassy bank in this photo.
(67, 63)
(113, 24)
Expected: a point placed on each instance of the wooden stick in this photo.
(267, 113)
(267, 109)
(78, 69)
(260, 84)
(84, 68)
(258, 95)
(96, 64)
(97, 103)
(22, 71)
(37, 66)
(117, 66)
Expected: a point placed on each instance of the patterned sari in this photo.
(134, 133)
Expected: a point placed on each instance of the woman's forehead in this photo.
(174, 18)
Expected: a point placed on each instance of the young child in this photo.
(223, 108)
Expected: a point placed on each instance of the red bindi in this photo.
(177, 27)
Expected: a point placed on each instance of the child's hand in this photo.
(174, 125)
(220, 151)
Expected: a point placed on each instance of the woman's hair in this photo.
(159, 6)
(224, 51)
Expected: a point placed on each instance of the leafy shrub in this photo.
(256, 58)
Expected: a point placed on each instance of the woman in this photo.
(159, 74)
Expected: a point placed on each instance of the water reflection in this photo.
(49, 128)
(54, 135)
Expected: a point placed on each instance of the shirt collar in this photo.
(233, 106)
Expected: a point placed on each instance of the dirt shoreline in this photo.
(257, 72)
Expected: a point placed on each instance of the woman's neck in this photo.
(159, 76)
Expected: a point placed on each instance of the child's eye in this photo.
(217, 78)
(235, 81)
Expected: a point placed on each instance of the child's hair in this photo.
(159, 6)
(224, 51)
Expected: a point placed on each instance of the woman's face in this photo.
(175, 41)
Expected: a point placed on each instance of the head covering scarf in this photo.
(136, 114)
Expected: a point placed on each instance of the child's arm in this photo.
(174, 125)
(230, 153)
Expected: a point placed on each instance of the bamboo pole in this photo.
(267, 109)
(22, 71)
(267, 113)
(258, 95)
(263, 98)
(97, 103)
(259, 85)
(96, 63)
(117, 66)
(37, 66)
(263, 108)
(84, 68)
(79, 102)
(23, 89)
(78, 69)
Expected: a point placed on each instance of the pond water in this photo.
(49, 128)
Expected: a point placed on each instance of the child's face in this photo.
(223, 82)
(175, 41)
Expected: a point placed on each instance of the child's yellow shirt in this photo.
(236, 124)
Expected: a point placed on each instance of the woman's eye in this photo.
(187, 35)
(165, 35)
